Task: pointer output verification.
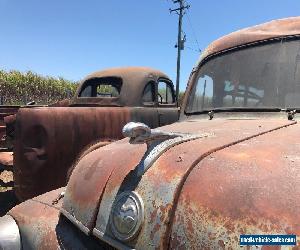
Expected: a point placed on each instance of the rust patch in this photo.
(160, 186)
(248, 188)
(93, 172)
(39, 165)
(273, 29)
(41, 227)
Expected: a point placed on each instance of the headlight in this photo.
(9, 234)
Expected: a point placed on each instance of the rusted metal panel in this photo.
(7, 119)
(273, 29)
(6, 111)
(159, 187)
(37, 222)
(183, 184)
(248, 188)
(41, 227)
(147, 115)
(92, 173)
(167, 115)
(44, 152)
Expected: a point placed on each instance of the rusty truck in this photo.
(49, 140)
(229, 167)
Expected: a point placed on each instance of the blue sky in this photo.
(73, 38)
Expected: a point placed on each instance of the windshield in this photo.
(264, 76)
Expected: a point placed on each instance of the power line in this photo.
(193, 31)
(190, 48)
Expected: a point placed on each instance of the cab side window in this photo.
(86, 92)
(165, 93)
(149, 93)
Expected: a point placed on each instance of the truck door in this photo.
(168, 112)
(148, 112)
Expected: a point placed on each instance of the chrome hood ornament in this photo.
(140, 133)
(157, 141)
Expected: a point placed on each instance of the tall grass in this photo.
(17, 88)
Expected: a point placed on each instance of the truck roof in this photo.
(273, 29)
(131, 75)
(134, 80)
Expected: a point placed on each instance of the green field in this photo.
(18, 88)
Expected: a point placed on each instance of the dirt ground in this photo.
(7, 196)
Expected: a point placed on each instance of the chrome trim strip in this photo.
(114, 243)
(76, 222)
(158, 142)
(9, 233)
(155, 150)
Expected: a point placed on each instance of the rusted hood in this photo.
(89, 178)
(106, 173)
(248, 188)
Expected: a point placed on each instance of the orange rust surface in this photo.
(160, 185)
(41, 226)
(213, 225)
(276, 28)
(92, 173)
(248, 188)
(44, 152)
(37, 221)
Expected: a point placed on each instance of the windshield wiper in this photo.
(210, 112)
(240, 109)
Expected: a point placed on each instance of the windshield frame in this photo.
(193, 76)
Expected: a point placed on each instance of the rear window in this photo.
(101, 87)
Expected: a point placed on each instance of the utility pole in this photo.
(180, 41)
